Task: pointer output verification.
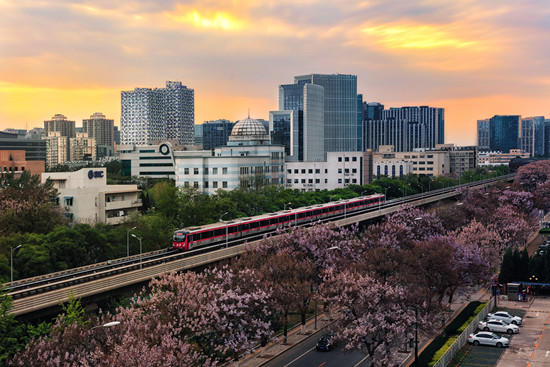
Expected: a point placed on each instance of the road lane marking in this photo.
(297, 358)
(322, 364)
(361, 361)
(547, 353)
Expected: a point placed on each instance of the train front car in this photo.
(179, 241)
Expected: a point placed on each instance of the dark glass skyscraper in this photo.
(215, 134)
(342, 127)
(504, 133)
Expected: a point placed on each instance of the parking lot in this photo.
(530, 348)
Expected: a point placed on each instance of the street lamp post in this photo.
(415, 336)
(128, 240)
(140, 249)
(109, 324)
(11, 260)
(284, 208)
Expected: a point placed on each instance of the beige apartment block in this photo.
(86, 197)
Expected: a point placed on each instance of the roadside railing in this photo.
(463, 338)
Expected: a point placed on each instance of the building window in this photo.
(353, 180)
(288, 181)
(339, 180)
(354, 159)
(339, 159)
(206, 184)
(186, 184)
(303, 180)
(346, 159)
(186, 171)
(326, 170)
(326, 180)
(295, 180)
(303, 170)
(224, 171)
(317, 180)
(215, 170)
(310, 181)
(215, 184)
(310, 171)
(289, 171)
(317, 171)
(354, 170)
(339, 170)
(296, 170)
(224, 184)
(205, 170)
(195, 171)
(196, 184)
(69, 201)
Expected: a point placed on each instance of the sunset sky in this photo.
(473, 58)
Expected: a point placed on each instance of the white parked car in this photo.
(505, 316)
(488, 338)
(498, 326)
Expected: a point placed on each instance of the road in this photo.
(305, 355)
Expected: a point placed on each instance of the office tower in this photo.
(61, 124)
(300, 120)
(57, 149)
(158, 114)
(198, 135)
(500, 133)
(342, 123)
(483, 134)
(372, 110)
(531, 135)
(406, 128)
(216, 133)
(280, 128)
(102, 130)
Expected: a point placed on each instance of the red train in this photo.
(193, 237)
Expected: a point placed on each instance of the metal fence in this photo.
(463, 338)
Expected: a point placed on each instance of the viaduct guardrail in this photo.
(104, 278)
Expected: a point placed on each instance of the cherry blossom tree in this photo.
(375, 318)
(530, 176)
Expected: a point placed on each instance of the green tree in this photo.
(11, 330)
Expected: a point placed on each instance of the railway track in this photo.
(32, 287)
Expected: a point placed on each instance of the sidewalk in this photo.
(277, 347)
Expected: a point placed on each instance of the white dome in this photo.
(248, 126)
(248, 130)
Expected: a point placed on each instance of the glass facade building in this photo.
(302, 106)
(342, 127)
(215, 134)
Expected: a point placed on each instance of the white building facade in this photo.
(86, 197)
(248, 161)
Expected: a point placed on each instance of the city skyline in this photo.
(473, 59)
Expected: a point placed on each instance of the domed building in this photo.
(248, 161)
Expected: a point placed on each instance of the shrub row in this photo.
(436, 346)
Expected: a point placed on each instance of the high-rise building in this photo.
(406, 128)
(158, 114)
(531, 135)
(500, 133)
(300, 121)
(215, 134)
(342, 110)
(60, 123)
(82, 147)
(198, 135)
(102, 130)
(57, 149)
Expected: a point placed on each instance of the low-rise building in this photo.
(86, 197)
(14, 161)
(340, 170)
(499, 158)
